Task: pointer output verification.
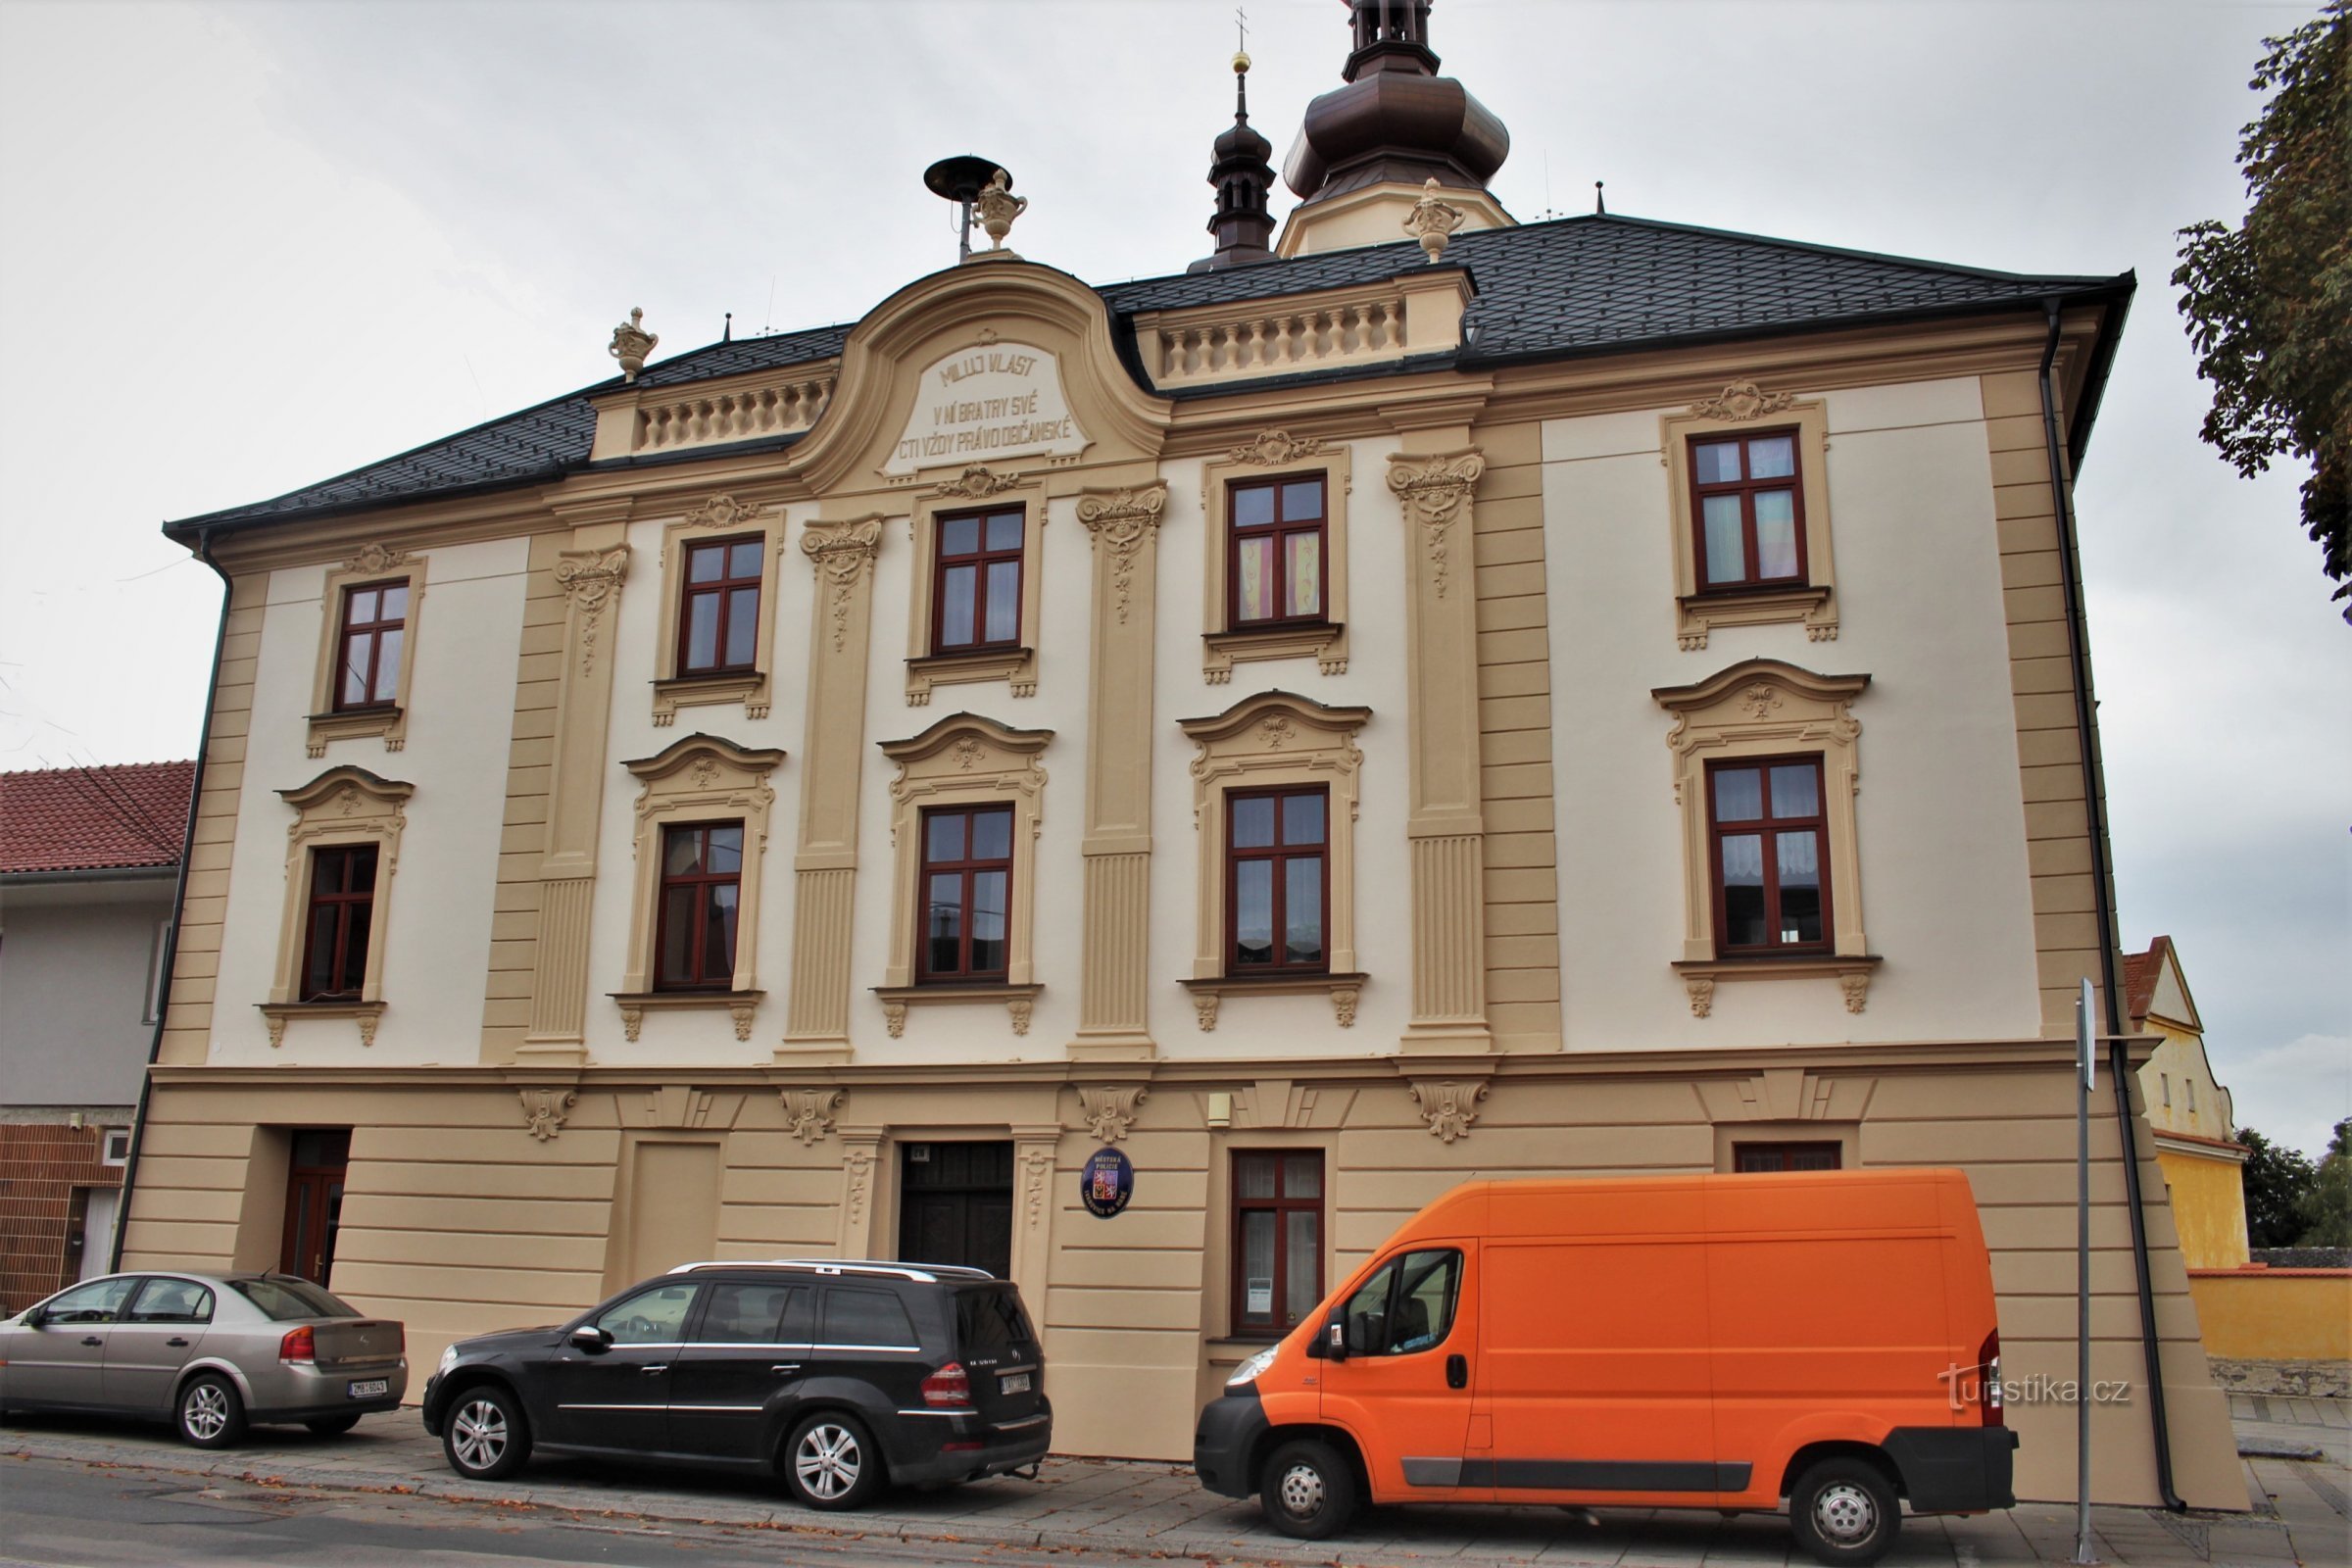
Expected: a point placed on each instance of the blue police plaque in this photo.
(1105, 1183)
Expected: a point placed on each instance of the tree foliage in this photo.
(2325, 1207)
(2277, 1180)
(2270, 304)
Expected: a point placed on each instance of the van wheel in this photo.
(1844, 1511)
(1307, 1490)
(209, 1413)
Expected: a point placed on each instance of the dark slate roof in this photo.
(1581, 285)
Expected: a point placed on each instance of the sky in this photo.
(248, 246)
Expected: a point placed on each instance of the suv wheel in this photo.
(209, 1414)
(830, 1461)
(1844, 1512)
(1308, 1489)
(485, 1435)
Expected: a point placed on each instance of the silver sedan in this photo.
(210, 1352)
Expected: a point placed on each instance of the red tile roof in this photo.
(2141, 971)
(94, 818)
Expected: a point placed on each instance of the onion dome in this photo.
(1396, 120)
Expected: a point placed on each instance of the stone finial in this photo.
(631, 343)
(998, 207)
(1432, 221)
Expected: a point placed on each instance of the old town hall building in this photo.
(1415, 695)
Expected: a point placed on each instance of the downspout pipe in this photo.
(2119, 1062)
(180, 900)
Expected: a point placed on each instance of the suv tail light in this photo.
(1989, 1397)
(299, 1344)
(947, 1385)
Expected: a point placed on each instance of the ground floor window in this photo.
(1784, 1156)
(1278, 1239)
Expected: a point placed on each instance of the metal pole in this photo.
(2086, 1065)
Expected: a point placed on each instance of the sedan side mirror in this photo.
(591, 1338)
(34, 1317)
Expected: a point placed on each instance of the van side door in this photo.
(1597, 1378)
(1405, 1388)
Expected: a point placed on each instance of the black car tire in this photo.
(333, 1426)
(484, 1435)
(831, 1462)
(1844, 1512)
(209, 1412)
(1308, 1489)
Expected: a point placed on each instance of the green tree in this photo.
(2270, 304)
(2325, 1207)
(2277, 1178)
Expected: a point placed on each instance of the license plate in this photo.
(1014, 1383)
(373, 1389)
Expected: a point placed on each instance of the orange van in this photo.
(1704, 1341)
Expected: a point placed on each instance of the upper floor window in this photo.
(976, 603)
(342, 909)
(966, 893)
(376, 620)
(702, 891)
(1278, 879)
(1770, 851)
(1275, 551)
(719, 620)
(1749, 506)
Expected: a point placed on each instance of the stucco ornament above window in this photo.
(1743, 399)
(1449, 1107)
(631, 343)
(543, 1111)
(1110, 1111)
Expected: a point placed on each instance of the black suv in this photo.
(845, 1376)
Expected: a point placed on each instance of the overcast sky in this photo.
(249, 246)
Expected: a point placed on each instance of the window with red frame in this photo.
(1278, 880)
(375, 619)
(967, 892)
(701, 896)
(342, 909)
(1784, 1156)
(977, 598)
(1275, 551)
(719, 620)
(1277, 1239)
(1771, 858)
(1750, 511)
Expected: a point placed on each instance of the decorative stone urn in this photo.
(998, 207)
(1432, 221)
(631, 343)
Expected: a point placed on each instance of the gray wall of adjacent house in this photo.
(78, 956)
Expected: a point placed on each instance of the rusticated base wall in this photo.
(480, 1198)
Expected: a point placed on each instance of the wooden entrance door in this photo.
(314, 1201)
(955, 1205)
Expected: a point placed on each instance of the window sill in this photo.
(388, 719)
(278, 1013)
(1853, 972)
(635, 1004)
(674, 692)
(1018, 665)
(1324, 641)
(1020, 1001)
(1209, 993)
(1813, 604)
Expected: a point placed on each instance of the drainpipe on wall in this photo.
(2096, 815)
(179, 896)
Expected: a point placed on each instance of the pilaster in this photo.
(1036, 1164)
(1433, 483)
(590, 572)
(825, 869)
(1114, 989)
(862, 1177)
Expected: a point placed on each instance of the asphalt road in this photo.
(72, 1515)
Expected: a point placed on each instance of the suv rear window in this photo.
(283, 1301)
(989, 1320)
(865, 1317)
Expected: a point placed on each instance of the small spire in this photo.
(1601, 207)
(1242, 177)
(727, 334)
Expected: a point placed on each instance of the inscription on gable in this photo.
(1001, 400)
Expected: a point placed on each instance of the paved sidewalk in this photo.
(1080, 1505)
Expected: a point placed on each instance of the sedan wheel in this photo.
(209, 1413)
(485, 1436)
(830, 1462)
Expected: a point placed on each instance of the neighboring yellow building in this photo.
(2189, 1112)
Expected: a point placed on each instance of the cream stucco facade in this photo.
(1519, 979)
